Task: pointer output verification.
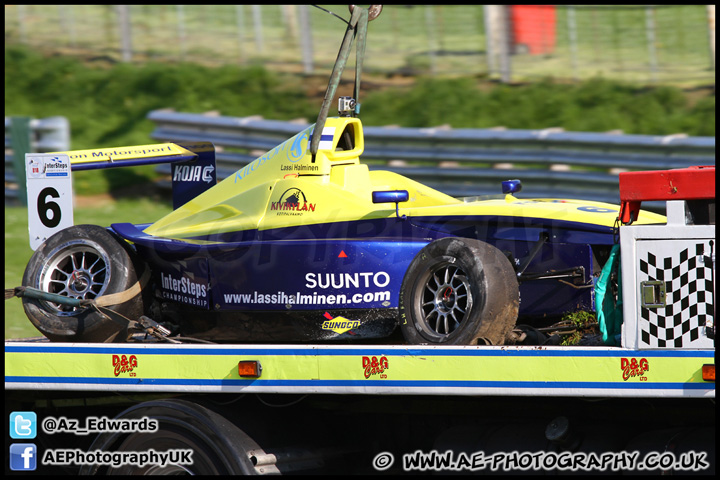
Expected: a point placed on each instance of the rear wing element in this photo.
(49, 182)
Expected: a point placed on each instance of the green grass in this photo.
(595, 105)
(18, 252)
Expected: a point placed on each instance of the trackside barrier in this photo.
(26, 135)
(462, 162)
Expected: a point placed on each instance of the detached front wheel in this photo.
(458, 291)
(82, 262)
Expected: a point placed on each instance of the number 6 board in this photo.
(49, 193)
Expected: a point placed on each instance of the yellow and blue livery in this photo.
(292, 239)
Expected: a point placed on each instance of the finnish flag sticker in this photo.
(326, 139)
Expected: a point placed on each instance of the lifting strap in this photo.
(103, 301)
(122, 297)
(357, 26)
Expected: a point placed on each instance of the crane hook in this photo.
(373, 11)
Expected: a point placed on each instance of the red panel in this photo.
(534, 27)
(691, 183)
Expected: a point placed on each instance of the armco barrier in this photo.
(25, 135)
(463, 162)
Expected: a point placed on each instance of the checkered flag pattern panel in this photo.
(689, 301)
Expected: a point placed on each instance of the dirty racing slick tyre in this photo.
(458, 291)
(84, 262)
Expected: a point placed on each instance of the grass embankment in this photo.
(595, 105)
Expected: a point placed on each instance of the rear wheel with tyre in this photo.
(82, 262)
(458, 291)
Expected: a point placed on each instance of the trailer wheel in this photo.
(218, 446)
(84, 262)
(458, 291)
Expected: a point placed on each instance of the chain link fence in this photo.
(644, 44)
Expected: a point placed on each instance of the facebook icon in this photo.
(23, 456)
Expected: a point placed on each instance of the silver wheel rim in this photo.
(446, 299)
(75, 270)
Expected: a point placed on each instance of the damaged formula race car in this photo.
(307, 244)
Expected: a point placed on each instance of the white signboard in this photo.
(49, 194)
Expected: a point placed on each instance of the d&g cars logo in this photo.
(375, 366)
(292, 202)
(124, 364)
(632, 367)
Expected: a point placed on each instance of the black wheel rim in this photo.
(446, 300)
